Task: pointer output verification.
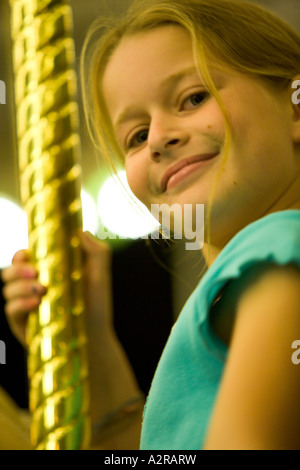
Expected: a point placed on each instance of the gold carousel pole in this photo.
(50, 177)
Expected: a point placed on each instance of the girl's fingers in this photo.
(97, 254)
(20, 307)
(19, 271)
(22, 292)
(21, 256)
(92, 245)
(18, 327)
(17, 312)
(23, 288)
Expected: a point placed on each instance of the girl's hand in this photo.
(112, 381)
(22, 293)
(97, 285)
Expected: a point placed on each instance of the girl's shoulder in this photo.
(274, 238)
(262, 259)
(267, 283)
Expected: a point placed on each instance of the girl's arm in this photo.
(116, 401)
(258, 404)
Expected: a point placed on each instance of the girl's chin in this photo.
(188, 196)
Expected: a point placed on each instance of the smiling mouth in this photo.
(178, 172)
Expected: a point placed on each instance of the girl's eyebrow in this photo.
(129, 112)
(175, 78)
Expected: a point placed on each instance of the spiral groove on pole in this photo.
(47, 121)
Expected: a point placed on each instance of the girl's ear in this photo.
(296, 108)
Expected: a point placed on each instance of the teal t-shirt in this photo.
(188, 376)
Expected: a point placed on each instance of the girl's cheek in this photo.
(136, 179)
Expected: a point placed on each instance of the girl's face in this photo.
(172, 131)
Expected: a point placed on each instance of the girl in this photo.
(195, 98)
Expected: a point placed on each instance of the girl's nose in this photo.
(164, 138)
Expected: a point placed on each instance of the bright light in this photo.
(121, 213)
(14, 228)
(89, 213)
(13, 233)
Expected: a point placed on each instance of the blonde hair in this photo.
(234, 33)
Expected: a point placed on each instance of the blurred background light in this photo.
(90, 217)
(14, 230)
(120, 212)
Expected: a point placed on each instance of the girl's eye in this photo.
(138, 139)
(194, 101)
